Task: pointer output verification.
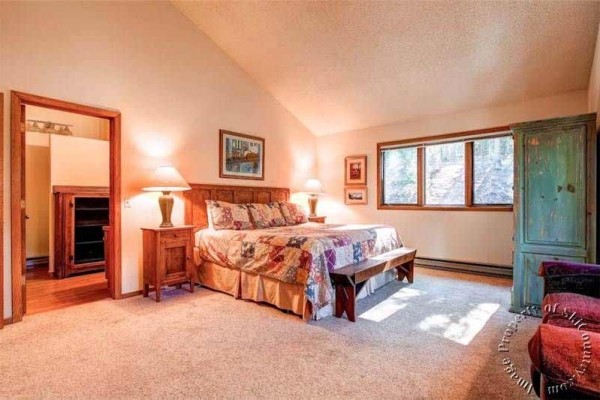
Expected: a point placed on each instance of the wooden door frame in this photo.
(18, 101)
(2, 210)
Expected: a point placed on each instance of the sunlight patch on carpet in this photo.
(460, 328)
(391, 305)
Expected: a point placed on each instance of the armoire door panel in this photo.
(555, 188)
(533, 284)
(553, 250)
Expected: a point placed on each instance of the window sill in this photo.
(444, 208)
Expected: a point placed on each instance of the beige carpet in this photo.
(209, 345)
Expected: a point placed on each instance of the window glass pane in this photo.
(493, 171)
(445, 174)
(400, 176)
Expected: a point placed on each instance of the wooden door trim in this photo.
(2, 210)
(80, 190)
(19, 99)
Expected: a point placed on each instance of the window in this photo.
(493, 171)
(445, 174)
(472, 170)
(400, 168)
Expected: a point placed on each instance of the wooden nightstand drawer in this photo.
(176, 234)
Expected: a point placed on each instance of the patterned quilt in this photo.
(301, 254)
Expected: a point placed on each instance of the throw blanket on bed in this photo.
(301, 254)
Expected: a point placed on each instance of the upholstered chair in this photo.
(562, 345)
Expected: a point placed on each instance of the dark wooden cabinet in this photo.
(167, 258)
(554, 200)
(80, 212)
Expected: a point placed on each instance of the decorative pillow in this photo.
(225, 215)
(266, 215)
(293, 213)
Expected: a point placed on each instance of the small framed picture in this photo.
(356, 170)
(241, 156)
(357, 195)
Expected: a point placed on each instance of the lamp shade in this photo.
(313, 186)
(166, 179)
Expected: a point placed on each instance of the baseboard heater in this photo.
(504, 271)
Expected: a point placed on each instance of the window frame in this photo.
(467, 138)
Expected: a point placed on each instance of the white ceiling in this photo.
(341, 66)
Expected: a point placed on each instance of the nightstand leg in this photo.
(192, 285)
(145, 292)
(158, 293)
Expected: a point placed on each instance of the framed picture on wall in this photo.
(356, 170)
(355, 195)
(241, 156)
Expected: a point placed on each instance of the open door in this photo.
(23, 216)
(18, 209)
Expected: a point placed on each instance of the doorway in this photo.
(82, 204)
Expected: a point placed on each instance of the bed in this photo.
(288, 266)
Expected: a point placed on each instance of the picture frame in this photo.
(355, 170)
(241, 156)
(355, 195)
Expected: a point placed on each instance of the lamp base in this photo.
(312, 205)
(166, 208)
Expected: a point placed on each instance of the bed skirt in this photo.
(285, 296)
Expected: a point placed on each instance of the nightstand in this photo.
(168, 258)
(320, 220)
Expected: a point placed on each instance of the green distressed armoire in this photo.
(554, 199)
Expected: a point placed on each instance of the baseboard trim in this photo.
(7, 321)
(131, 294)
(504, 271)
(33, 261)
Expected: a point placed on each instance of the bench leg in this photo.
(410, 266)
(345, 300)
(339, 301)
(406, 270)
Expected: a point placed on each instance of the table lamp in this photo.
(313, 188)
(166, 180)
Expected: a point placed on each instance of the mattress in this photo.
(301, 255)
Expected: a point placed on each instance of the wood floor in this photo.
(44, 293)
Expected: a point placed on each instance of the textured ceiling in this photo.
(341, 66)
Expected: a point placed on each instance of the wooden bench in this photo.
(350, 280)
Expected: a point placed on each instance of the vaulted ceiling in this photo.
(341, 66)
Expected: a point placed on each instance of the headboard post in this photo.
(195, 199)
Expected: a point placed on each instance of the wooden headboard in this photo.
(195, 199)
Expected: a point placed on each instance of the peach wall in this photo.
(594, 85)
(174, 87)
(484, 237)
(37, 186)
(78, 161)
